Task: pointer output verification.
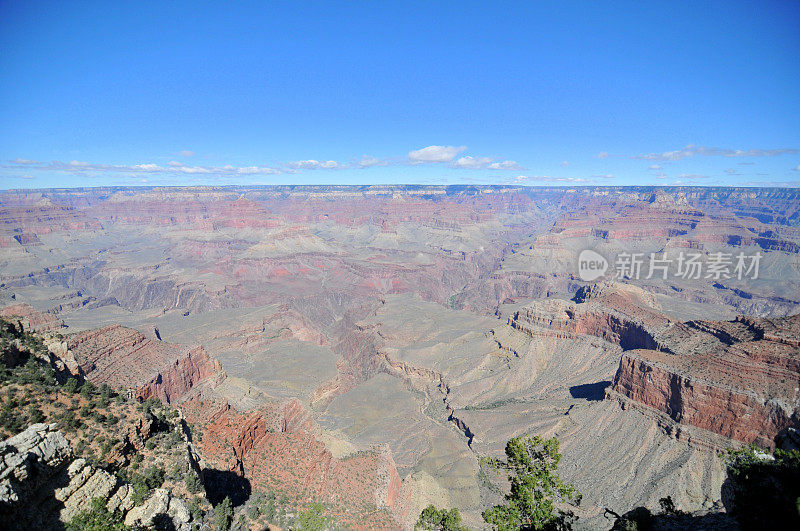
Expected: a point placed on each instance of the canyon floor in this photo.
(367, 347)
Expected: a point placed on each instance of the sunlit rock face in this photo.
(743, 385)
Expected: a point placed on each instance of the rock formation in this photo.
(125, 358)
(743, 386)
(37, 469)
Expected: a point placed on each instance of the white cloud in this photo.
(602, 155)
(430, 154)
(692, 176)
(148, 167)
(257, 170)
(186, 153)
(172, 167)
(654, 167)
(797, 168)
(199, 169)
(505, 165)
(472, 162)
(564, 164)
(312, 164)
(435, 154)
(661, 175)
(25, 177)
(701, 151)
(485, 163)
(366, 162)
(570, 180)
(547, 178)
(605, 176)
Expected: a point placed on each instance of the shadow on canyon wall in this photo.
(221, 484)
(591, 391)
(39, 491)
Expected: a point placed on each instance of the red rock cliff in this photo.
(743, 387)
(178, 378)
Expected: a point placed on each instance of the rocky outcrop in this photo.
(160, 503)
(31, 319)
(743, 386)
(85, 484)
(37, 469)
(733, 379)
(28, 462)
(620, 314)
(277, 447)
(54, 352)
(125, 358)
(178, 378)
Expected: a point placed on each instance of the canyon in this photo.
(367, 347)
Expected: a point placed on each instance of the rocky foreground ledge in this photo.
(38, 470)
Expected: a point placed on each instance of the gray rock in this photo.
(41, 485)
(30, 459)
(161, 502)
(85, 484)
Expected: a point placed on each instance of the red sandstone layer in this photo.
(125, 358)
(745, 390)
(32, 319)
(276, 449)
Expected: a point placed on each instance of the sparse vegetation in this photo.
(192, 481)
(97, 518)
(432, 518)
(143, 484)
(765, 488)
(312, 519)
(536, 488)
(223, 515)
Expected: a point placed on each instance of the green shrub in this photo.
(35, 415)
(143, 484)
(223, 515)
(97, 518)
(88, 389)
(312, 519)
(432, 518)
(71, 385)
(531, 465)
(193, 483)
(196, 510)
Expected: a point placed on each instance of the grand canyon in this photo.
(369, 348)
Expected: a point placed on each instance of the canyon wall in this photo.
(744, 387)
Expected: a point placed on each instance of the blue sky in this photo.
(561, 93)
